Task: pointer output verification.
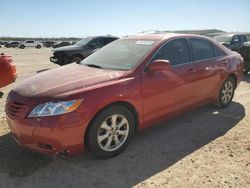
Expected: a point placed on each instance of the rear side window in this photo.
(202, 49)
(218, 52)
(176, 51)
(97, 42)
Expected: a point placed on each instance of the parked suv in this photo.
(238, 43)
(30, 43)
(245, 53)
(232, 41)
(80, 50)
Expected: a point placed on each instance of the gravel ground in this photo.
(203, 148)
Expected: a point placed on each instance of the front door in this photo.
(171, 90)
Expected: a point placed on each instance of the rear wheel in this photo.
(38, 46)
(110, 132)
(226, 93)
(22, 46)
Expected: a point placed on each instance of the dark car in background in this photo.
(61, 44)
(48, 44)
(232, 41)
(2, 43)
(238, 43)
(12, 44)
(245, 53)
(80, 50)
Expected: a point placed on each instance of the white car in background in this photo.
(30, 43)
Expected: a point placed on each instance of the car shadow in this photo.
(42, 70)
(18, 162)
(149, 153)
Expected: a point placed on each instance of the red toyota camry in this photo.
(126, 86)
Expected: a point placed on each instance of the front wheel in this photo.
(110, 132)
(226, 93)
(38, 46)
(22, 46)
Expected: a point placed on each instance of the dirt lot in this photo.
(204, 148)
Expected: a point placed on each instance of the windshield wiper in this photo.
(93, 65)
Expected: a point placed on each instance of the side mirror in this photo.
(159, 65)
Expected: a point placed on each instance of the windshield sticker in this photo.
(146, 42)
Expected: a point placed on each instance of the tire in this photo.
(22, 46)
(76, 59)
(107, 139)
(226, 93)
(38, 46)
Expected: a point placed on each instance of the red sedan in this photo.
(126, 86)
(7, 70)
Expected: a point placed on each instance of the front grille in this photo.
(14, 109)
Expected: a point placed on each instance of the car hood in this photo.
(67, 48)
(64, 79)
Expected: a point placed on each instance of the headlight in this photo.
(55, 108)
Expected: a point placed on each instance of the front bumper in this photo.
(55, 140)
(53, 59)
(62, 134)
(59, 59)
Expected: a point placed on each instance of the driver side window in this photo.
(97, 42)
(176, 51)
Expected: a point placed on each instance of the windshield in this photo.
(123, 54)
(223, 38)
(84, 41)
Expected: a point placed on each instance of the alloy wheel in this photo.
(113, 132)
(227, 92)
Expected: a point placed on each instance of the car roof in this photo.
(162, 36)
(102, 37)
(232, 34)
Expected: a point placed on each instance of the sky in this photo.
(78, 18)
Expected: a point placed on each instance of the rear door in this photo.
(171, 90)
(208, 60)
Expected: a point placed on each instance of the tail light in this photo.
(242, 62)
